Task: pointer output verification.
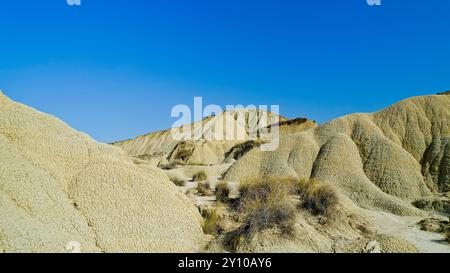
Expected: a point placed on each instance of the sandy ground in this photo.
(406, 228)
(186, 173)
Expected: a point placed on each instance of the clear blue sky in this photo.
(115, 68)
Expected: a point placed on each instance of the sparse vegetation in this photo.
(200, 176)
(261, 216)
(196, 164)
(317, 197)
(241, 149)
(184, 151)
(211, 222)
(434, 225)
(269, 204)
(295, 121)
(433, 204)
(266, 204)
(437, 225)
(203, 188)
(222, 191)
(183, 154)
(265, 188)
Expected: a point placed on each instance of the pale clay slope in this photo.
(377, 160)
(96, 195)
(204, 151)
(58, 186)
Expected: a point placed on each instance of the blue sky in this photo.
(114, 69)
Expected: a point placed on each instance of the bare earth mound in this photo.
(59, 188)
(381, 161)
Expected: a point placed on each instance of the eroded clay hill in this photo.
(382, 161)
(58, 188)
(229, 128)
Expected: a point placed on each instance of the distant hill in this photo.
(205, 151)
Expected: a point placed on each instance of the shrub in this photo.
(266, 204)
(184, 151)
(233, 240)
(276, 214)
(222, 191)
(433, 204)
(200, 176)
(301, 186)
(317, 197)
(183, 154)
(265, 188)
(203, 188)
(295, 121)
(211, 222)
(241, 149)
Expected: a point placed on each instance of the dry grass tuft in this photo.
(203, 188)
(241, 149)
(265, 188)
(269, 203)
(211, 222)
(266, 204)
(317, 197)
(433, 204)
(200, 176)
(222, 191)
